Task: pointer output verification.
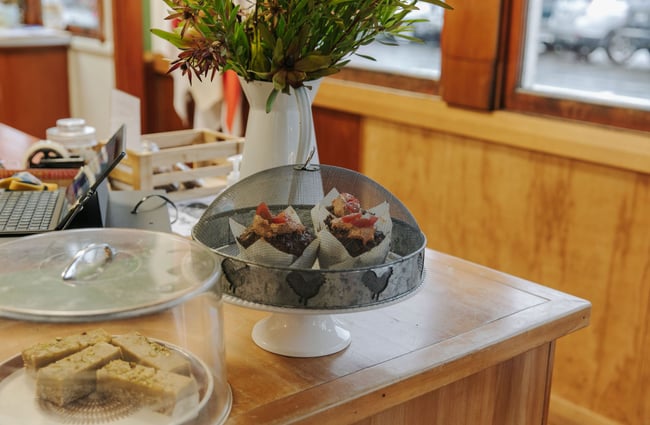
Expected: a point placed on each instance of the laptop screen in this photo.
(91, 175)
(77, 188)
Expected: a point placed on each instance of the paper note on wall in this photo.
(125, 109)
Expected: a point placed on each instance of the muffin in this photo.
(279, 240)
(351, 236)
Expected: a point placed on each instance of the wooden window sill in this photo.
(620, 148)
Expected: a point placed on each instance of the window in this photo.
(401, 63)
(584, 50)
(83, 17)
(528, 56)
(80, 17)
(411, 58)
(583, 59)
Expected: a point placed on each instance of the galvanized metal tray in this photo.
(311, 288)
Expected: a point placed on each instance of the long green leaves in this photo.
(284, 41)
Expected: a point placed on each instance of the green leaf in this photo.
(285, 41)
(259, 60)
(366, 57)
(271, 100)
(313, 62)
(323, 73)
(171, 37)
(266, 35)
(439, 3)
(280, 80)
(278, 53)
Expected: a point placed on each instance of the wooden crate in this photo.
(206, 153)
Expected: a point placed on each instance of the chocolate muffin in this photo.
(282, 231)
(356, 232)
(350, 235)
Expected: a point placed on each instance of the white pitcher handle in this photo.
(305, 148)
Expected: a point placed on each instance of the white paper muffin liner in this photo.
(332, 254)
(263, 252)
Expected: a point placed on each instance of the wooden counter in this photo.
(472, 346)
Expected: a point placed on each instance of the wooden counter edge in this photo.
(343, 401)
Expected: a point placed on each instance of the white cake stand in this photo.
(301, 335)
(293, 329)
(296, 332)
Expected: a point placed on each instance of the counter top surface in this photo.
(465, 318)
(33, 36)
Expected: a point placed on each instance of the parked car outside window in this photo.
(634, 36)
(581, 26)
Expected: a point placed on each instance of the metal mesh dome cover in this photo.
(314, 288)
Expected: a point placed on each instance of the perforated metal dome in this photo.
(296, 185)
(314, 288)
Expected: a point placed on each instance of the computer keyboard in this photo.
(26, 210)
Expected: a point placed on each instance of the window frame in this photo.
(481, 70)
(33, 15)
(389, 80)
(519, 100)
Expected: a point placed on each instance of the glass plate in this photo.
(20, 406)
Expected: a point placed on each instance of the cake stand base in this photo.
(301, 335)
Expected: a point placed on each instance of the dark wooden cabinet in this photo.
(34, 89)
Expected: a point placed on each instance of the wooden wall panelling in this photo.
(481, 405)
(129, 50)
(159, 95)
(33, 97)
(577, 227)
(337, 137)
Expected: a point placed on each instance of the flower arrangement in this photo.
(286, 42)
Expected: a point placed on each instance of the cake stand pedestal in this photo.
(301, 334)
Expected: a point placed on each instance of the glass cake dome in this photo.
(111, 326)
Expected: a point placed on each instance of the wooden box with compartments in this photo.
(186, 163)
